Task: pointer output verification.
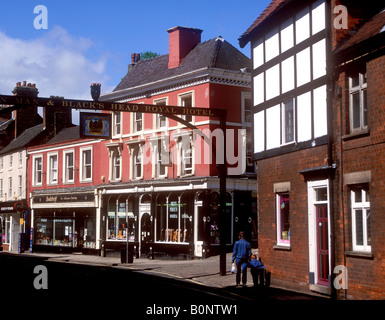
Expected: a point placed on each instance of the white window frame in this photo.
(135, 153)
(364, 206)
(361, 90)
(135, 122)
(1, 164)
(35, 171)
(181, 102)
(20, 187)
(156, 143)
(66, 168)
(117, 124)
(158, 117)
(246, 113)
(10, 161)
(20, 159)
(83, 165)
(116, 165)
(51, 179)
(10, 190)
(1, 188)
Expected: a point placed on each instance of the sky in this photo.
(87, 41)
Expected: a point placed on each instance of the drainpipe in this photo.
(331, 165)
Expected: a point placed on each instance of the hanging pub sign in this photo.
(95, 125)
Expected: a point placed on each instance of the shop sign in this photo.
(7, 207)
(63, 198)
(95, 125)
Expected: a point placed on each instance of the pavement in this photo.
(205, 272)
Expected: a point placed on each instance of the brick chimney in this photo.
(56, 119)
(181, 41)
(28, 116)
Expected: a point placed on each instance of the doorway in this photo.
(319, 232)
(145, 233)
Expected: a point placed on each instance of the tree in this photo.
(148, 54)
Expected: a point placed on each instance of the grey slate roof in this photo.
(214, 53)
(24, 139)
(67, 134)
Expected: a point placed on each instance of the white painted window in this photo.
(186, 100)
(52, 176)
(160, 121)
(37, 170)
(116, 165)
(137, 163)
(358, 102)
(117, 119)
(69, 166)
(361, 226)
(137, 121)
(86, 164)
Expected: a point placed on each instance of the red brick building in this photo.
(318, 109)
(155, 183)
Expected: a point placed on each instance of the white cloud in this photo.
(58, 63)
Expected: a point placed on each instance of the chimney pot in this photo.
(24, 83)
(137, 57)
(133, 58)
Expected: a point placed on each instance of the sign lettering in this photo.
(19, 102)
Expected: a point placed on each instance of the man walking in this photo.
(241, 254)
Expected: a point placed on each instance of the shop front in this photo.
(9, 226)
(65, 223)
(169, 220)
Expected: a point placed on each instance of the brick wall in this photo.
(366, 273)
(290, 268)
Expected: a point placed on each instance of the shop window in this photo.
(283, 219)
(361, 220)
(120, 221)
(214, 218)
(69, 167)
(358, 102)
(38, 170)
(174, 219)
